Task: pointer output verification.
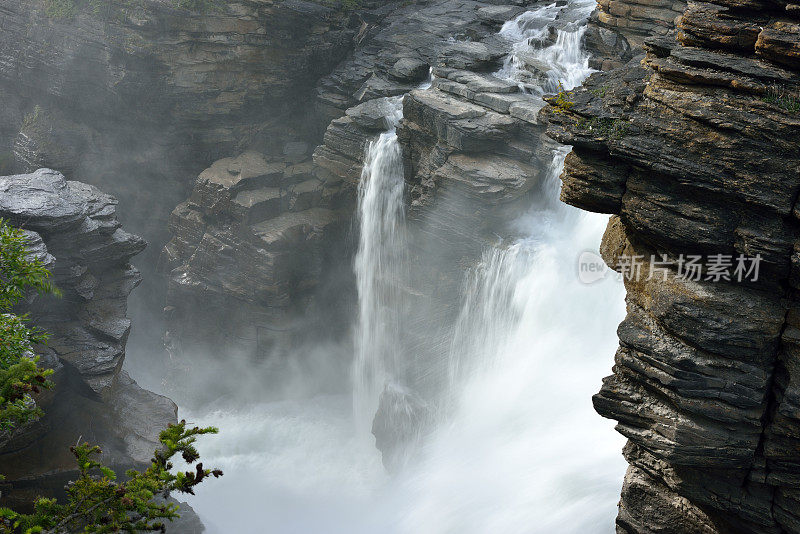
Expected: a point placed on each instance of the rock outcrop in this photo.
(619, 27)
(401, 422)
(694, 149)
(395, 57)
(72, 227)
(138, 97)
(249, 248)
(260, 233)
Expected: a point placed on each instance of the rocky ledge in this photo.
(72, 227)
(250, 247)
(693, 148)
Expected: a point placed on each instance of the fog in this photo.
(481, 373)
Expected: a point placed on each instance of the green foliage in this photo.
(604, 127)
(783, 98)
(20, 376)
(19, 272)
(60, 9)
(561, 104)
(599, 91)
(201, 6)
(98, 503)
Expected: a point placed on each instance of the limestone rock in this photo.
(248, 248)
(78, 227)
(400, 423)
(678, 144)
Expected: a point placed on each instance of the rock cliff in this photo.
(693, 148)
(72, 227)
(138, 97)
(263, 237)
(250, 248)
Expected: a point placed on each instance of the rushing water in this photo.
(539, 66)
(381, 271)
(518, 448)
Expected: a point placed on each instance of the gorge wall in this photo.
(137, 97)
(693, 148)
(73, 229)
(264, 241)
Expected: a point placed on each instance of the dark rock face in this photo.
(392, 59)
(619, 27)
(73, 228)
(248, 251)
(76, 224)
(401, 421)
(206, 79)
(138, 97)
(260, 233)
(694, 149)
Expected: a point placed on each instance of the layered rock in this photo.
(207, 79)
(72, 227)
(695, 151)
(250, 247)
(260, 233)
(619, 27)
(137, 97)
(393, 57)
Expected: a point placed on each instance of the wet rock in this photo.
(468, 55)
(678, 145)
(409, 70)
(73, 229)
(618, 28)
(400, 423)
(77, 226)
(373, 114)
(248, 249)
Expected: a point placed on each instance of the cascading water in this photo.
(539, 67)
(522, 449)
(380, 265)
(517, 447)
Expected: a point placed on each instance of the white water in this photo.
(540, 69)
(381, 271)
(519, 449)
(524, 450)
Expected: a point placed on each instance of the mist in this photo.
(471, 354)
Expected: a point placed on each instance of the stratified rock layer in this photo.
(72, 227)
(695, 149)
(137, 97)
(249, 248)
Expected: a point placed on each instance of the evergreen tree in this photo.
(96, 502)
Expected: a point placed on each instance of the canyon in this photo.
(378, 182)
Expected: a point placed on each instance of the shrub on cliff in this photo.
(20, 376)
(96, 502)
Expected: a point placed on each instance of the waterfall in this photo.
(489, 312)
(380, 265)
(538, 67)
(521, 449)
(515, 446)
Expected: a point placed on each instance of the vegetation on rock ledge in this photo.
(20, 376)
(96, 502)
(783, 98)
